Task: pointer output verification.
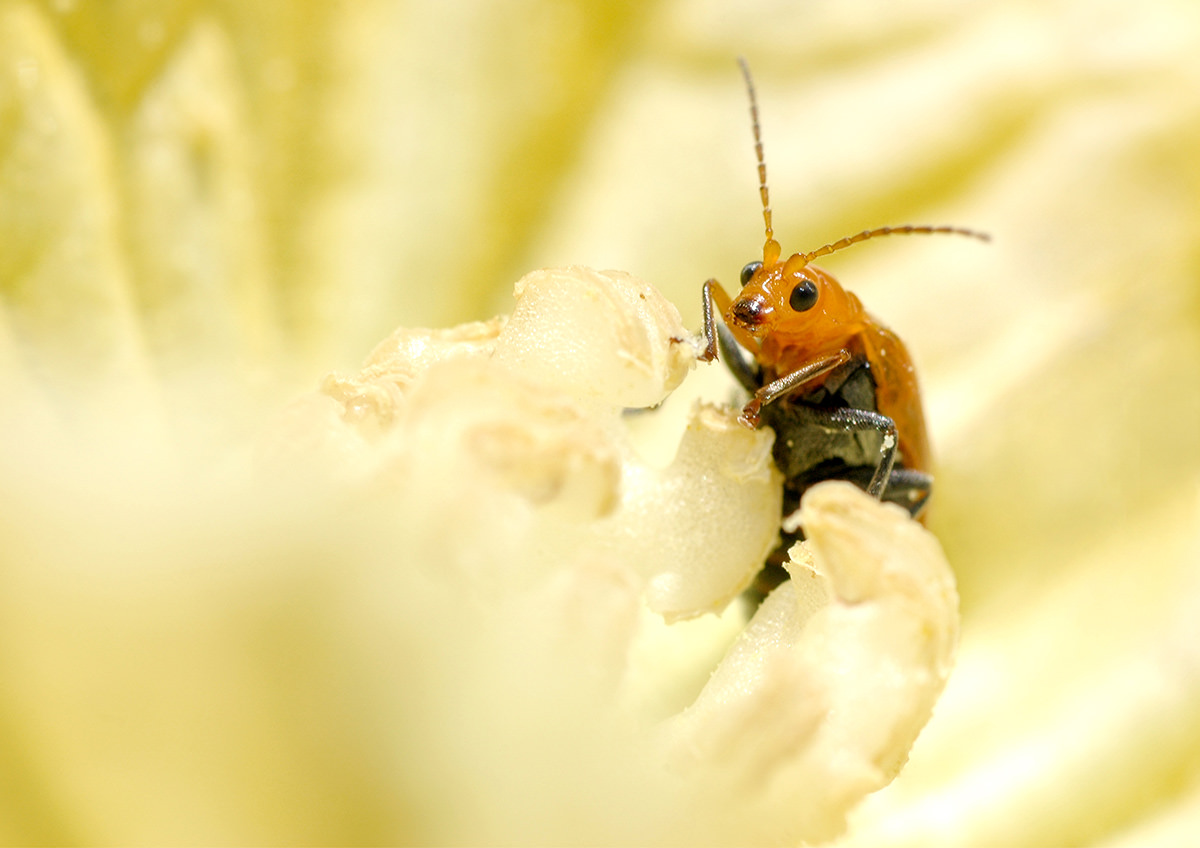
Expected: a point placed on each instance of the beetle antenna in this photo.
(907, 229)
(771, 247)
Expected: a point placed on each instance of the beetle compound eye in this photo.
(803, 296)
(749, 270)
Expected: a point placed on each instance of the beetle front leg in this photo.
(744, 369)
(714, 295)
(774, 390)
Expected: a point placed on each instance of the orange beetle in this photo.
(837, 387)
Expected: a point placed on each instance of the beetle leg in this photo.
(906, 487)
(852, 420)
(744, 369)
(910, 488)
(714, 295)
(787, 384)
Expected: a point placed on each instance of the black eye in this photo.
(803, 296)
(749, 270)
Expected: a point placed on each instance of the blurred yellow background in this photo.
(205, 206)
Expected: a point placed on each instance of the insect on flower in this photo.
(837, 387)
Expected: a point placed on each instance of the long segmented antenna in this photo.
(771, 247)
(907, 229)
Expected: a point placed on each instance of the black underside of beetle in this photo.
(807, 450)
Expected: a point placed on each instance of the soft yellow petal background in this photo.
(205, 206)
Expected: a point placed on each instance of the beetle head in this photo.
(794, 303)
(791, 303)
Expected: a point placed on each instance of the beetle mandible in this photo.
(838, 388)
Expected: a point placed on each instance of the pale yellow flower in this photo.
(207, 209)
